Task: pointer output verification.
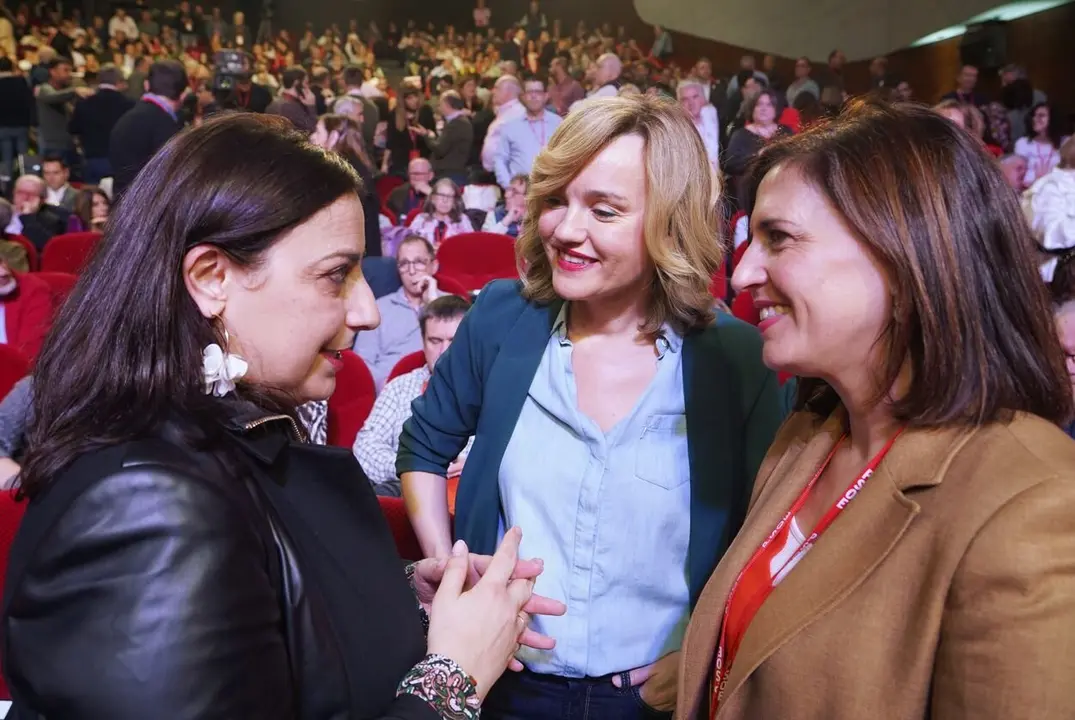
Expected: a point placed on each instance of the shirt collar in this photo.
(667, 338)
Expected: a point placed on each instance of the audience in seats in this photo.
(564, 90)
(13, 253)
(17, 116)
(594, 385)
(94, 118)
(144, 129)
(691, 96)
(1041, 145)
(58, 190)
(924, 433)
(26, 310)
(761, 128)
(507, 218)
(442, 214)
(966, 84)
(1049, 208)
(55, 100)
(38, 221)
(398, 333)
(413, 193)
(802, 83)
(1014, 168)
(352, 79)
(508, 108)
(403, 145)
(175, 513)
(523, 138)
(92, 207)
(607, 74)
(296, 101)
(1062, 290)
(377, 442)
(451, 148)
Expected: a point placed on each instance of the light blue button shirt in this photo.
(609, 513)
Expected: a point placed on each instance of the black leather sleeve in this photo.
(150, 597)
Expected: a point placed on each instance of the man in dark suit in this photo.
(93, 120)
(450, 151)
(146, 127)
(36, 220)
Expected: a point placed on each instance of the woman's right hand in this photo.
(479, 627)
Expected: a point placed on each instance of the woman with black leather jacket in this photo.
(184, 554)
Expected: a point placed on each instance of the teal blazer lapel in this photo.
(505, 388)
(720, 486)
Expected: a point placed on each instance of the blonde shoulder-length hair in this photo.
(681, 226)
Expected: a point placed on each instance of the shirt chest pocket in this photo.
(661, 451)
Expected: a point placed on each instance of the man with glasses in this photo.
(522, 139)
(413, 193)
(399, 334)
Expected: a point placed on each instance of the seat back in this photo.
(69, 253)
(385, 185)
(395, 511)
(415, 212)
(60, 284)
(450, 285)
(352, 401)
(31, 252)
(388, 213)
(406, 364)
(475, 258)
(14, 366)
(10, 518)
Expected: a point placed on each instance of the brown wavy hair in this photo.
(683, 233)
(971, 317)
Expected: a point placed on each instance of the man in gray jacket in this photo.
(54, 101)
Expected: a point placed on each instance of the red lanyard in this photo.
(755, 581)
(542, 138)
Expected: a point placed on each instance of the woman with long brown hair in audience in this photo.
(616, 416)
(402, 142)
(909, 551)
(185, 554)
(341, 134)
(92, 206)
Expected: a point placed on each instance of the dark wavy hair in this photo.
(125, 352)
(971, 316)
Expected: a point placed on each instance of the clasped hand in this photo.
(479, 608)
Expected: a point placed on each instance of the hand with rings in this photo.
(482, 625)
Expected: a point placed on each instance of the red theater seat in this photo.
(69, 253)
(10, 517)
(60, 284)
(13, 367)
(478, 257)
(406, 364)
(395, 511)
(352, 401)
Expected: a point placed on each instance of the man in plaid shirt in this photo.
(378, 440)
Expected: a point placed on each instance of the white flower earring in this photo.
(221, 369)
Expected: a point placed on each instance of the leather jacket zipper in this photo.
(296, 433)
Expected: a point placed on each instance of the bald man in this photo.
(607, 76)
(33, 218)
(507, 106)
(414, 192)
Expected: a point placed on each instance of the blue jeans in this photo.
(14, 141)
(529, 696)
